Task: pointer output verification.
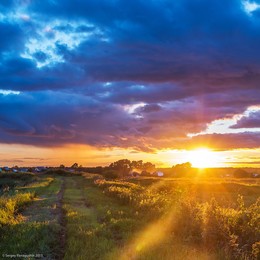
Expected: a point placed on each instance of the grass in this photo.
(196, 215)
(8, 181)
(96, 224)
(30, 224)
(145, 218)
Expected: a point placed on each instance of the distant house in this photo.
(39, 169)
(23, 170)
(1, 170)
(159, 173)
(14, 170)
(6, 168)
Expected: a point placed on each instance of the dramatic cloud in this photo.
(250, 121)
(142, 74)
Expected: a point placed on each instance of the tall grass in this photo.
(96, 228)
(10, 206)
(154, 199)
(29, 219)
(235, 232)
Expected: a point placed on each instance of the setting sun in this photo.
(203, 158)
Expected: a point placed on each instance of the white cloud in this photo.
(250, 6)
(9, 92)
(222, 126)
(58, 32)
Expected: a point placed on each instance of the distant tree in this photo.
(136, 165)
(97, 169)
(183, 169)
(62, 166)
(139, 166)
(186, 165)
(125, 166)
(74, 166)
(122, 166)
(149, 167)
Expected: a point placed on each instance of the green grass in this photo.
(31, 223)
(96, 224)
(197, 215)
(9, 182)
(145, 218)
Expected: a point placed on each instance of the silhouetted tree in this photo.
(149, 167)
(183, 169)
(122, 166)
(125, 166)
(136, 165)
(74, 166)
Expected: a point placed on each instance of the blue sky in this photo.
(138, 75)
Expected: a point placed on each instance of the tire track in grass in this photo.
(49, 207)
(37, 232)
(96, 224)
(61, 220)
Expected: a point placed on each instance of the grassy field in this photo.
(83, 216)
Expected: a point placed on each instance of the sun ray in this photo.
(203, 158)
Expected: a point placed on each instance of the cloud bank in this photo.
(137, 74)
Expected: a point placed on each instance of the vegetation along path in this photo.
(60, 215)
(36, 224)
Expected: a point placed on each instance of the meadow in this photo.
(63, 215)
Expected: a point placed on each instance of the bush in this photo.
(60, 172)
(111, 174)
(11, 180)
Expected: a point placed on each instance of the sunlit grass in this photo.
(96, 224)
(194, 218)
(27, 224)
(145, 218)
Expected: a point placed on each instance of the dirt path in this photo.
(48, 207)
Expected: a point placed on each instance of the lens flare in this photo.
(203, 158)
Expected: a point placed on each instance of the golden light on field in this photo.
(203, 158)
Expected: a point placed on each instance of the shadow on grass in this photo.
(30, 238)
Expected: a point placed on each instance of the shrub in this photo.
(60, 172)
(111, 174)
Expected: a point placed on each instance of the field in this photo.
(62, 215)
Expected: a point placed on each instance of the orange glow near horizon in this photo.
(25, 155)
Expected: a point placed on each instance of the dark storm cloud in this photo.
(165, 41)
(52, 119)
(250, 121)
(139, 74)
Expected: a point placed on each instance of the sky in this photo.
(96, 81)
